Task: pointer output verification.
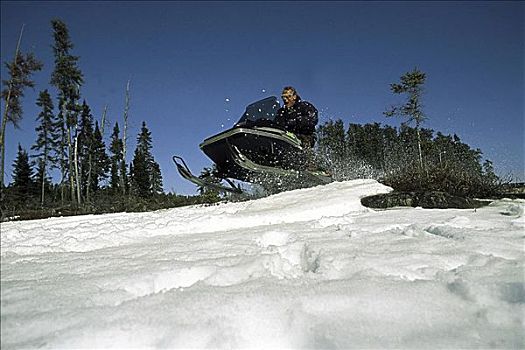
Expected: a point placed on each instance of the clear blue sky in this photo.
(195, 65)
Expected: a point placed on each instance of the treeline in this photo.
(391, 155)
(105, 183)
(409, 159)
(94, 176)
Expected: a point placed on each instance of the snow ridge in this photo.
(90, 232)
(310, 268)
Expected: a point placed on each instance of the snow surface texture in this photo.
(310, 268)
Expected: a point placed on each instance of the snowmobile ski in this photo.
(185, 172)
(312, 177)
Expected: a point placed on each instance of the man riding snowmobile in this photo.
(268, 143)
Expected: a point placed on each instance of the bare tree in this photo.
(20, 71)
(103, 121)
(67, 78)
(125, 137)
(77, 173)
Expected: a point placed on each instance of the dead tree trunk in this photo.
(124, 139)
(103, 122)
(77, 174)
(6, 110)
(43, 184)
(88, 186)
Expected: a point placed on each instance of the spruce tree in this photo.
(22, 176)
(140, 182)
(353, 140)
(100, 160)
(85, 149)
(144, 141)
(20, 71)
(46, 142)
(147, 178)
(372, 149)
(156, 178)
(67, 78)
(209, 194)
(489, 178)
(116, 149)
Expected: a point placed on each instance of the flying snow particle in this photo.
(263, 91)
(227, 100)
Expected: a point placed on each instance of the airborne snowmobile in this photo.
(255, 150)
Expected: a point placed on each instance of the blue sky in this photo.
(195, 65)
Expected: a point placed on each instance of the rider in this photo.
(298, 117)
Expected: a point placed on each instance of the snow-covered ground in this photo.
(310, 268)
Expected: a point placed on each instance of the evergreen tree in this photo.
(116, 148)
(353, 140)
(20, 71)
(67, 78)
(372, 151)
(411, 84)
(144, 141)
(156, 178)
(85, 149)
(147, 178)
(46, 142)
(390, 144)
(123, 175)
(140, 182)
(210, 195)
(22, 176)
(100, 160)
(490, 179)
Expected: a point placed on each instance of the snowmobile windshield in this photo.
(260, 113)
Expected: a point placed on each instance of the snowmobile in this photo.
(255, 150)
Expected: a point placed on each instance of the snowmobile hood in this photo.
(273, 133)
(256, 122)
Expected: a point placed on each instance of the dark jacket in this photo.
(301, 118)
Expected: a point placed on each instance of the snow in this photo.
(310, 268)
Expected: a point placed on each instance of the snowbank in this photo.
(89, 232)
(310, 268)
